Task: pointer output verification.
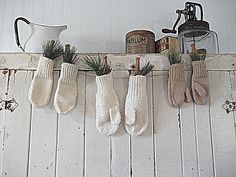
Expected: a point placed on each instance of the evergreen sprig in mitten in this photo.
(178, 92)
(136, 106)
(66, 92)
(41, 86)
(200, 82)
(107, 106)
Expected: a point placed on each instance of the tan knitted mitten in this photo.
(178, 92)
(200, 83)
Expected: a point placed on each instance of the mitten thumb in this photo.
(115, 115)
(130, 115)
(187, 95)
(199, 89)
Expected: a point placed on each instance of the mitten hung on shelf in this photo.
(41, 86)
(200, 82)
(107, 106)
(136, 106)
(178, 92)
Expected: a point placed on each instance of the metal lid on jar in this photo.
(198, 25)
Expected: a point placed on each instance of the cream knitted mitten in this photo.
(136, 106)
(200, 82)
(41, 86)
(66, 92)
(178, 92)
(107, 106)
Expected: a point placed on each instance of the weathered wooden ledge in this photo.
(26, 61)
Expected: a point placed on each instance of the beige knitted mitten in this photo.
(41, 86)
(136, 106)
(200, 83)
(66, 92)
(178, 92)
(107, 106)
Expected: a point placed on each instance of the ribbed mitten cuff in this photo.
(199, 69)
(45, 68)
(137, 86)
(176, 72)
(104, 83)
(68, 73)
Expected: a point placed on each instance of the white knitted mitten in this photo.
(136, 106)
(66, 92)
(41, 86)
(107, 106)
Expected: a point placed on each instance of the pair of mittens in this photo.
(108, 115)
(136, 106)
(200, 82)
(41, 86)
(178, 92)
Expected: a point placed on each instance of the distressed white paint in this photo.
(100, 26)
(191, 141)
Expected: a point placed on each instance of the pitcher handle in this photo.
(16, 31)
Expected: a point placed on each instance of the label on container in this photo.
(136, 44)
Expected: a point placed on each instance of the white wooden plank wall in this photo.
(100, 25)
(196, 141)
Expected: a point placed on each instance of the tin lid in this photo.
(197, 25)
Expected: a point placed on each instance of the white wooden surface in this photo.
(196, 141)
(101, 25)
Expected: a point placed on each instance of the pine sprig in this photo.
(198, 56)
(145, 69)
(174, 56)
(52, 49)
(69, 54)
(97, 64)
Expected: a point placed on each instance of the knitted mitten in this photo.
(178, 92)
(200, 83)
(66, 92)
(136, 106)
(107, 106)
(41, 86)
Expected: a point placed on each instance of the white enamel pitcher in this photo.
(39, 34)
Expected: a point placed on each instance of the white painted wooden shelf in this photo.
(193, 141)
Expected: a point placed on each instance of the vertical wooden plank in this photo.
(70, 137)
(4, 77)
(204, 140)
(120, 141)
(189, 139)
(166, 130)
(44, 139)
(223, 127)
(97, 154)
(142, 146)
(17, 126)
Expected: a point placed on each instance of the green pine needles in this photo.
(145, 69)
(174, 56)
(52, 49)
(97, 64)
(198, 56)
(69, 55)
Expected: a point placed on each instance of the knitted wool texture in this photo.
(178, 92)
(200, 82)
(107, 106)
(41, 86)
(136, 106)
(66, 92)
